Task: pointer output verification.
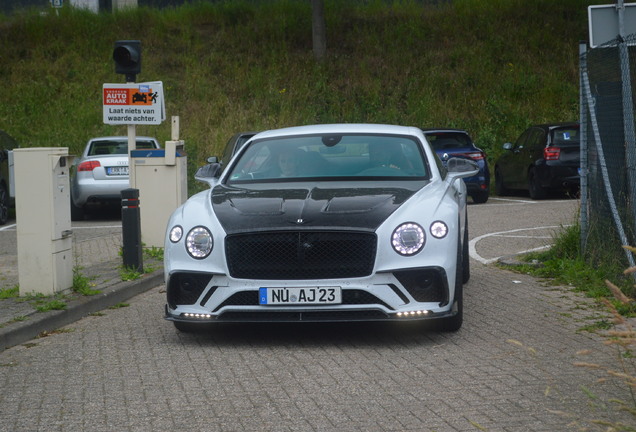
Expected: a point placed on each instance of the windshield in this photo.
(448, 140)
(565, 135)
(111, 147)
(330, 157)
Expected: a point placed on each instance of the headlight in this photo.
(175, 234)
(439, 229)
(199, 242)
(408, 239)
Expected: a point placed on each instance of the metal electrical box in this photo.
(161, 178)
(43, 216)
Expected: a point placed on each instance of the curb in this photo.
(515, 261)
(20, 332)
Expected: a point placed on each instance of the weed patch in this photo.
(82, 284)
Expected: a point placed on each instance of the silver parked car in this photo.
(101, 173)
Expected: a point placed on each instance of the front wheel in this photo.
(465, 257)
(500, 187)
(77, 213)
(454, 323)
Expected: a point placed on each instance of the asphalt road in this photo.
(510, 368)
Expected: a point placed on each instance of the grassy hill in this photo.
(490, 66)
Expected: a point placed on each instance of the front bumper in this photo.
(411, 294)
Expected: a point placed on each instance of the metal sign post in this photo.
(615, 22)
(606, 22)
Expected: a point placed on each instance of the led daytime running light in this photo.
(199, 242)
(408, 239)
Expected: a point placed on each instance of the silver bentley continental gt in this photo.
(340, 222)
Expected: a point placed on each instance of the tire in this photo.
(454, 323)
(77, 213)
(479, 197)
(465, 257)
(4, 204)
(537, 191)
(500, 188)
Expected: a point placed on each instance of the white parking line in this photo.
(522, 236)
(13, 226)
(511, 201)
(96, 227)
(517, 201)
(473, 251)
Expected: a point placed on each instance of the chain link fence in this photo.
(608, 151)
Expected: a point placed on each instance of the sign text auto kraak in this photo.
(138, 103)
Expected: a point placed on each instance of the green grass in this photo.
(154, 253)
(51, 305)
(82, 284)
(129, 274)
(492, 67)
(7, 293)
(564, 265)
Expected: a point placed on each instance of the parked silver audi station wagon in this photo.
(101, 173)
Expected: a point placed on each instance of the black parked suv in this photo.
(6, 143)
(544, 158)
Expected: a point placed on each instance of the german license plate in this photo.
(122, 170)
(300, 295)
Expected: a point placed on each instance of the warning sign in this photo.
(140, 103)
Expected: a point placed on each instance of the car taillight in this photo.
(88, 166)
(474, 155)
(551, 153)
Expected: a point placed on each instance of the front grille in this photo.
(300, 255)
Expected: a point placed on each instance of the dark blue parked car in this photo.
(449, 143)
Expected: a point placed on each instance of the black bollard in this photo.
(131, 230)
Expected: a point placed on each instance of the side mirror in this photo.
(460, 167)
(508, 146)
(209, 173)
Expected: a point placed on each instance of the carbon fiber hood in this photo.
(288, 206)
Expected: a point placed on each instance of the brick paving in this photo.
(510, 368)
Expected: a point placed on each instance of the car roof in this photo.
(549, 126)
(435, 130)
(240, 134)
(120, 137)
(343, 128)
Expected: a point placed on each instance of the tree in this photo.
(318, 27)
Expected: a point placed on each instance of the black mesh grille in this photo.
(300, 255)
